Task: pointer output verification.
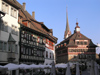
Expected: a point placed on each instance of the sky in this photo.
(53, 14)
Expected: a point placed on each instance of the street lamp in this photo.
(11, 54)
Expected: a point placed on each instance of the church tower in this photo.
(67, 31)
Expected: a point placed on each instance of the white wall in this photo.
(48, 61)
(5, 35)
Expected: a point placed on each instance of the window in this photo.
(38, 53)
(32, 52)
(22, 49)
(46, 54)
(50, 55)
(25, 35)
(77, 42)
(9, 47)
(64, 44)
(29, 51)
(3, 26)
(5, 7)
(85, 43)
(70, 50)
(13, 12)
(42, 54)
(16, 48)
(81, 43)
(29, 37)
(40, 40)
(85, 50)
(14, 30)
(13, 47)
(5, 46)
(1, 45)
(77, 50)
(6, 26)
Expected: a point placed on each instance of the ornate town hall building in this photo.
(75, 47)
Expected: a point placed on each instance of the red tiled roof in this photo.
(38, 26)
(76, 36)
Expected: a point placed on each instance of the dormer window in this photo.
(61, 45)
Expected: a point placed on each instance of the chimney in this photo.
(24, 6)
(33, 15)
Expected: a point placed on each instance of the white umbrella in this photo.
(41, 66)
(96, 69)
(47, 66)
(68, 72)
(33, 66)
(53, 68)
(11, 66)
(24, 66)
(77, 69)
(92, 68)
(61, 65)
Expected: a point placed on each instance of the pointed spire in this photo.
(67, 31)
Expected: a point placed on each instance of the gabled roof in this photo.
(38, 26)
(70, 41)
(79, 36)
